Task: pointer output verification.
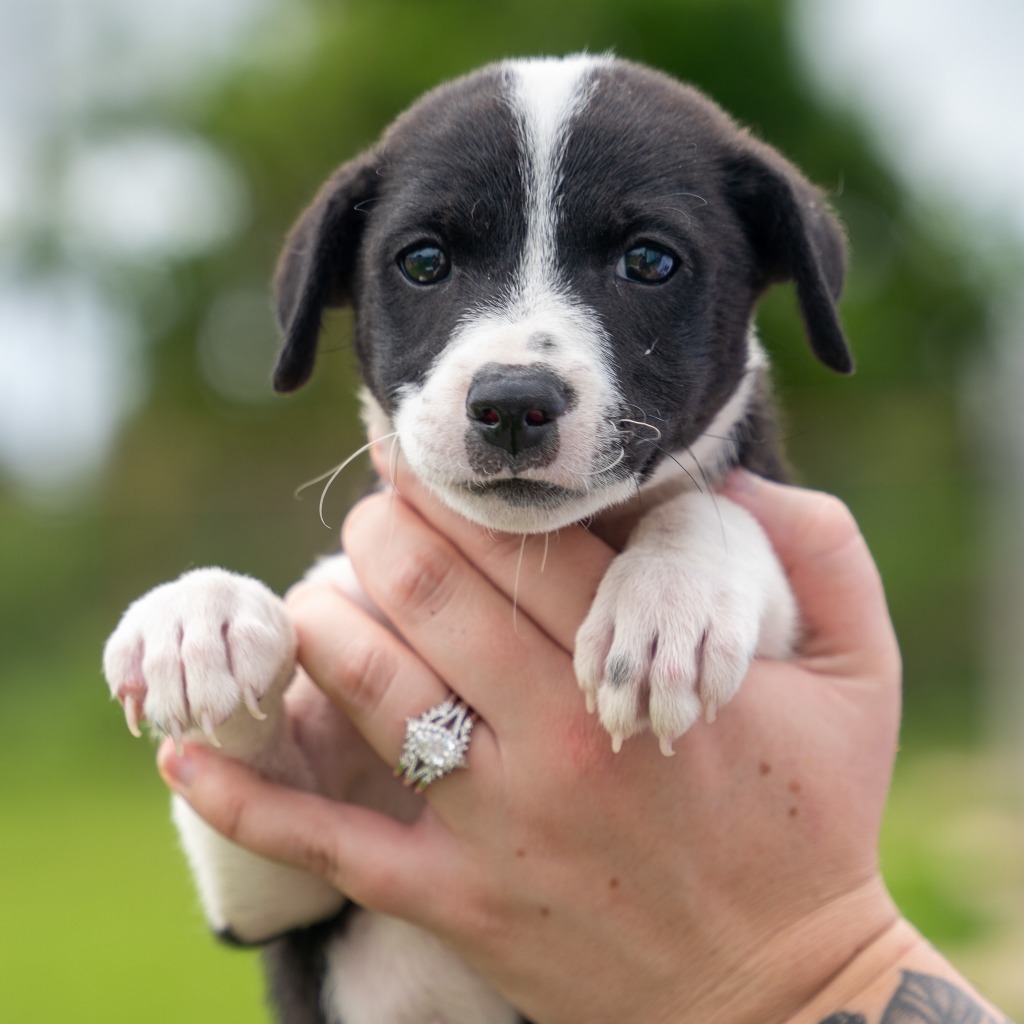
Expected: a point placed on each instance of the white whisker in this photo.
(393, 460)
(700, 468)
(515, 587)
(710, 491)
(393, 491)
(644, 423)
(611, 465)
(332, 474)
(693, 479)
(690, 195)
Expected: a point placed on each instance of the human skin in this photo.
(736, 881)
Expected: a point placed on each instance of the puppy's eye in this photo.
(646, 264)
(424, 264)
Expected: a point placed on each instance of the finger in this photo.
(367, 672)
(834, 578)
(447, 611)
(550, 577)
(369, 856)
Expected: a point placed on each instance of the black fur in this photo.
(296, 968)
(316, 267)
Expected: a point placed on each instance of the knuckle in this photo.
(362, 523)
(485, 923)
(834, 509)
(364, 675)
(317, 855)
(231, 818)
(417, 577)
(832, 523)
(381, 888)
(421, 584)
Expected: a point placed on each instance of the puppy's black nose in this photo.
(516, 407)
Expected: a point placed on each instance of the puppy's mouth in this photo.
(519, 504)
(519, 493)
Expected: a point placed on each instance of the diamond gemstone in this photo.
(435, 743)
(436, 746)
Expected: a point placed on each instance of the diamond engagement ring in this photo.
(435, 743)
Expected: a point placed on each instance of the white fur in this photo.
(545, 95)
(696, 593)
(244, 895)
(430, 983)
(191, 650)
(188, 651)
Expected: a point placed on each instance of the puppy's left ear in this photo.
(316, 266)
(796, 237)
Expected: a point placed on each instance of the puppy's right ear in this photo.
(316, 266)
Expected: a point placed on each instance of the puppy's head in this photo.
(554, 266)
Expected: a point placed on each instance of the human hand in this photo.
(727, 883)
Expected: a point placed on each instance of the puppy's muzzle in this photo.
(516, 409)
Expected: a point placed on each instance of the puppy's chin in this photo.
(528, 506)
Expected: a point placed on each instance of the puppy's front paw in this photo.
(668, 639)
(190, 654)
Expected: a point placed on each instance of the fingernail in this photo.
(177, 770)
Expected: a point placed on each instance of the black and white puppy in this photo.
(554, 266)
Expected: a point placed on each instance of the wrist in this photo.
(777, 975)
(899, 975)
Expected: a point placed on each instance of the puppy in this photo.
(554, 266)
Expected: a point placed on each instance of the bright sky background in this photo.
(73, 369)
(941, 82)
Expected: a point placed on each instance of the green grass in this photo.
(952, 856)
(99, 921)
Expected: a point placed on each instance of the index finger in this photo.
(449, 613)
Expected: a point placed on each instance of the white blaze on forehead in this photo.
(545, 96)
(536, 319)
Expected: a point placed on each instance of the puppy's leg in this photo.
(208, 657)
(695, 595)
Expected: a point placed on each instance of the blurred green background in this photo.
(152, 162)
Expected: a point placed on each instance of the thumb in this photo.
(833, 576)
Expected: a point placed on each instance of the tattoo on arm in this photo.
(922, 999)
